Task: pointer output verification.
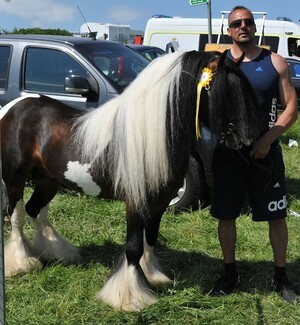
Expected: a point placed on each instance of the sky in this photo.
(64, 14)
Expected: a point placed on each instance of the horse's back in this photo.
(32, 108)
(34, 133)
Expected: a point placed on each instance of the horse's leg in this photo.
(149, 263)
(127, 288)
(48, 243)
(18, 254)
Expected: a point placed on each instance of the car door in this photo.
(45, 71)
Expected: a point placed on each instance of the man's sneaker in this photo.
(284, 289)
(225, 285)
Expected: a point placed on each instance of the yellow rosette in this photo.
(205, 79)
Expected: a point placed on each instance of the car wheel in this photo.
(193, 189)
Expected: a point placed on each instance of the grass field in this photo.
(189, 251)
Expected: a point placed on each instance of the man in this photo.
(258, 170)
(294, 50)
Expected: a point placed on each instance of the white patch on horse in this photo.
(9, 105)
(80, 174)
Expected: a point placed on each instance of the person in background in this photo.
(259, 169)
(294, 50)
(297, 53)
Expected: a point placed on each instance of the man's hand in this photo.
(260, 149)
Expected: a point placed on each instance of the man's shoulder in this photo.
(279, 62)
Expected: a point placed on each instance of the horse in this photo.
(135, 148)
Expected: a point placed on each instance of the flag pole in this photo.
(209, 21)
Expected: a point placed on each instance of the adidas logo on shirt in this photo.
(259, 69)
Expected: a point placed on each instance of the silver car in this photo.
(78, 71)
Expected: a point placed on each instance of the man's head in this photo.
(241, 25)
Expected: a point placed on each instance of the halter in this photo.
(230, 138)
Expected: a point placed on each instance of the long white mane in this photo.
(132, 130)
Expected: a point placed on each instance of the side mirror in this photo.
(77, 85)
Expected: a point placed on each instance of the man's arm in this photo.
(289, 115)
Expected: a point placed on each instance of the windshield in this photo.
(118, 63)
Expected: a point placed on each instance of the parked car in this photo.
(149, 52)
(78, 71)
(294, 65)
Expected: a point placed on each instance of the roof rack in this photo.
(261, 13)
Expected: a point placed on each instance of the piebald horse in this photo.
(135, 147)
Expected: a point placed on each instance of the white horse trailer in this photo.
(111, 32)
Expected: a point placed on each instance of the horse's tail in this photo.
(129, 134)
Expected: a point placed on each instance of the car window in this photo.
(294, 46)
(46, 70)
(149, 55)
(118, 63)
(5, 52)
(272, 41)
(153, 54)
(159, 53)
(295, 69)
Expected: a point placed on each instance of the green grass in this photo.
(188, 249)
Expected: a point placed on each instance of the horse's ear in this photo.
(222, 58)
(213, 59)
(213, 66)
(237, 61)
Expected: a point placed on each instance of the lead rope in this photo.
(267, 169)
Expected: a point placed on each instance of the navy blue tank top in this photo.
(264, 79)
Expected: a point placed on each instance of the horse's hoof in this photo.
(127, 290)
(19, 257)
(26, 265)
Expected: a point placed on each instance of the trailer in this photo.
(112, 32)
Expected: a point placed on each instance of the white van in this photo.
(186, 34)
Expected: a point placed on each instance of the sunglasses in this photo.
(238, 23)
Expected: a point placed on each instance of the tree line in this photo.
(38, 31)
